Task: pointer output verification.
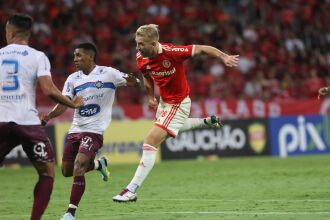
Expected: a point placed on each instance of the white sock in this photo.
(191, 123)
(96, 165)
(146, 163)
(71, 206)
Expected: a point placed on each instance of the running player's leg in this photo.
(90, 143)
(170, 117)
(155, 137)
(69, 155)
(38, 148)
(43, 189)
(212, 121)
(7, 140)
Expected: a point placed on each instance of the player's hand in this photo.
(231, 60)
(78, 101)
(131, 80)
(44, 119)
(323, 92)
(153, 103)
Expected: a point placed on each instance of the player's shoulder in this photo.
(23, 50)
(170, 48)
(74, 76)
(106, 70)
(166, 47)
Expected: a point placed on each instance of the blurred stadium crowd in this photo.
(284, 45)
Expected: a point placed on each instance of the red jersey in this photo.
(167, 71)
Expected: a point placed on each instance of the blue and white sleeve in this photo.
(68, 89)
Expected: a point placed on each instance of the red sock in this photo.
(42, 192)
(78, 189)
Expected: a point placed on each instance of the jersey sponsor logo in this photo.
(180, 49)
(99, 84)
(92, 97)
(89, 110)
(164, 73)
(166, 63)
(24, 53)
(13, 98)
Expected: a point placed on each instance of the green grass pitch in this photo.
(233, 188)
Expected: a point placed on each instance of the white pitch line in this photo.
(185, 212)
(242, 200)
(193, 199)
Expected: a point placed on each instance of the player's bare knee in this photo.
(45, 169)
(80, 167)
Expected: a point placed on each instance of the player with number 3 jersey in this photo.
(21, 67)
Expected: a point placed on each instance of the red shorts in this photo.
(33, 139)
(85, 142)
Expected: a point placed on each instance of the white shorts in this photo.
(171, 117)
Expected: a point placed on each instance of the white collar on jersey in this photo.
(92, 72)
(160, 48)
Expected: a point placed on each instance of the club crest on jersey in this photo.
(166, 63)
(98, 84)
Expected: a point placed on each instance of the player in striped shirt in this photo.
(97, 85)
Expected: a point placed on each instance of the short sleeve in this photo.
(181, 53)
(43, 66)
(117, 77)
(68, 89)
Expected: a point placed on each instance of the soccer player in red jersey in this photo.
(163, 64)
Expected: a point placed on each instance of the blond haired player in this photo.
(163, 64)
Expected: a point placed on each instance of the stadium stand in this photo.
(284, 45)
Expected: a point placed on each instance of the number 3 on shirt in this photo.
(12, 79)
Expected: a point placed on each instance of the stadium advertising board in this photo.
(122, 140)
(18, 156)
(248, 137)
(300, 135)
(240, 108)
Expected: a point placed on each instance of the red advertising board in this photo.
(226, 109)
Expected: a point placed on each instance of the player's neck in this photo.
(89, 69)
(19, 41)
(155, 52)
